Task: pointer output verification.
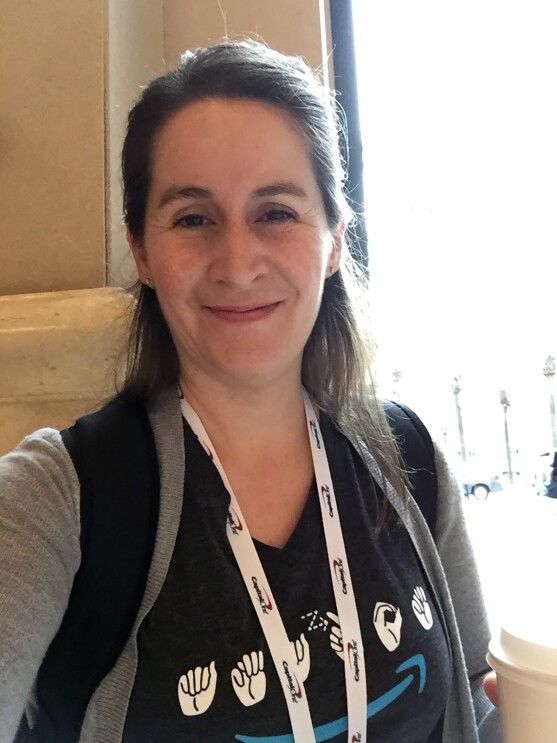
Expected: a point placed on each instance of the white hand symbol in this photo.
(301, 652)
(249, 680)
(335, 638)
(196, 689)
(387, 621)
(421, 608)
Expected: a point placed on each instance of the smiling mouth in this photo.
(246, 313)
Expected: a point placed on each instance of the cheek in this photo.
(168, 273)
(308, 271)
(305, 256)
(173, 292)
(173, 270)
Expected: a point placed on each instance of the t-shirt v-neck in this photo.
(205, 672)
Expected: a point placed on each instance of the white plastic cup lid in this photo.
(530, 648)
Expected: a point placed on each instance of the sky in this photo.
(459, 128)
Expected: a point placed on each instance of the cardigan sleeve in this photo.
(457, 557)
(39, 557)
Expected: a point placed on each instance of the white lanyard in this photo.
(264, 603)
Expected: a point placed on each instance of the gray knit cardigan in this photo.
(40, 555)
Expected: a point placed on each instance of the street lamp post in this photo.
(505, 402)
(456, 392)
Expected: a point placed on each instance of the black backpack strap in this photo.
(114, 455)
(418, 454)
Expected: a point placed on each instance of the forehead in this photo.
(230, 142)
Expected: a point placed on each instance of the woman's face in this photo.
(236, 241)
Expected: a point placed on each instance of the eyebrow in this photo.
(175, 193)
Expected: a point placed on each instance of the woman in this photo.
(294, 591)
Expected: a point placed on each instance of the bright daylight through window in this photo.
(459, 120)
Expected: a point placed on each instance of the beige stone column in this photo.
(70, 71)
(52, 185)
(135, 47)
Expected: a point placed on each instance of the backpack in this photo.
(119, 490)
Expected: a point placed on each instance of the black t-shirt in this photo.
(205, 672)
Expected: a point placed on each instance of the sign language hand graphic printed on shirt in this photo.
(196, 689)
(421, 608)
(335, 637)
(248, 679)
(301, 652)
(387, 621)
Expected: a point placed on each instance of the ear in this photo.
(140, 256)
(337, 247)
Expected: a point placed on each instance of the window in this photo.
(459, 129)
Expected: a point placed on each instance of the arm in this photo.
(457, 557)
(39, 556)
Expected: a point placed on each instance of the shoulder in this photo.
(40, 498)
(103, 430)
(116, 411)
(40, 491)
(415, 452)
(409, 430)
(451, 520)
(41, 460)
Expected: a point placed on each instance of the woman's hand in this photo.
(490, 687)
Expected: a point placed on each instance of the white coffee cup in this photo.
(525, 659)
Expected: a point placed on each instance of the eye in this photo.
(277, 216)
(191, 221)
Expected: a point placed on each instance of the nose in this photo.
(238, 257)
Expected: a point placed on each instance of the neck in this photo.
(241, 418)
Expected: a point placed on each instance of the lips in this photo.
(244, 313)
